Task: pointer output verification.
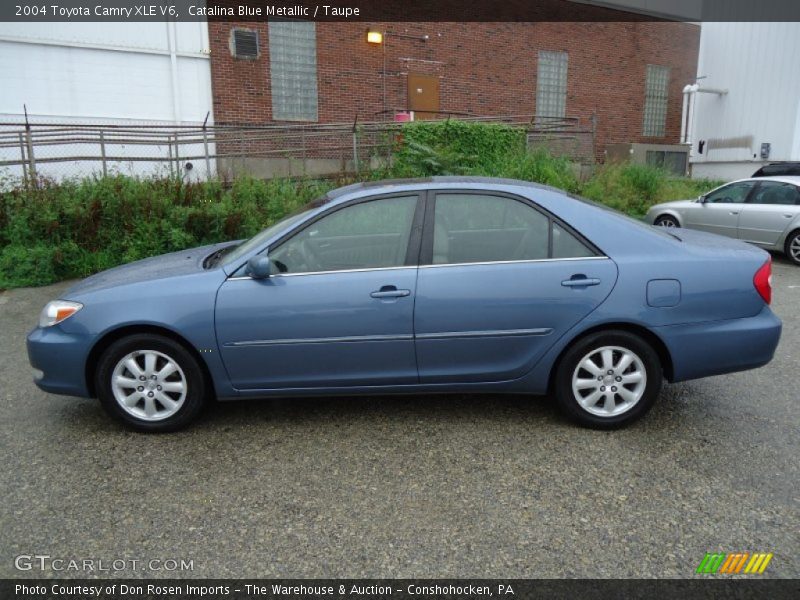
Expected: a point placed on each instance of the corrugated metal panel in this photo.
(118, 73)
(115, 71)
(758, 64)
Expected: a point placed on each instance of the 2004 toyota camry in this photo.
(437, 285)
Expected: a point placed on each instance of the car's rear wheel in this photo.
(667, 221)
(150, 382)
(608, 379)
(793, 247)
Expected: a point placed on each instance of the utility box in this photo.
(671, 157)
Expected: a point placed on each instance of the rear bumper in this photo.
(59, 361)
(718, 347)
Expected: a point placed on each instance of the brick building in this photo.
(624, 77)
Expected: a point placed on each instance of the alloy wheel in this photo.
(609, 381)
(794, 248)
(149, 385)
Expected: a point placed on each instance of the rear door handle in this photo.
(580, 281)
(734, 212)
(390, 291)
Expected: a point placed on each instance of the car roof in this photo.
(793, 179)
(436, 181)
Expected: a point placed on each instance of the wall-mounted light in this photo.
(374, 37)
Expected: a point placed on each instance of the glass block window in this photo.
(551, 85)
(293, 69)
(655, 101)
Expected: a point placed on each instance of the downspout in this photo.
(690, 118)
(688, 115)
(686, 91)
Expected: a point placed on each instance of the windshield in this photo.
(236, 252)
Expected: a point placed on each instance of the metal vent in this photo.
(245, 43)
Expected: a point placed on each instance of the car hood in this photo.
(184, 262)
(675, 204)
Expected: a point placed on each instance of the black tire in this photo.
(666, 221)
(793, 238)
(648, 361)
(190, 375)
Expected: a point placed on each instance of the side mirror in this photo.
(701, 199)
(258, 267)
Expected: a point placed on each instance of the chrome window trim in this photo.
(513, 262)
(469, 264)
(403, 267)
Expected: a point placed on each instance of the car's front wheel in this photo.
(150, 382)
(667, 221)
(793, 247)
(608, 379)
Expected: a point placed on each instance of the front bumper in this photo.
(718, 347)
(60, 359)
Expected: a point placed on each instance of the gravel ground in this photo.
(436, 486)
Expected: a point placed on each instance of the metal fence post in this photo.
(303, 159)
(31, 159)
(205, 149)
(205, 146)
(178, 174)
(355, 145)
(103, 153)
(169, 159)
(24, 161)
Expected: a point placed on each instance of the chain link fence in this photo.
(34, 150)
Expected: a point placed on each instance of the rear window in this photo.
(659, 230)
(772, 170)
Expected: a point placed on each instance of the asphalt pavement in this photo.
(429, 486)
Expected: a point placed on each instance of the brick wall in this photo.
(486, 69)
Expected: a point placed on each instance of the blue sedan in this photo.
(419, 286)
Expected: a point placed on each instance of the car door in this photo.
(499, 282)
(719, 210)
(337, 309)
(768, 212)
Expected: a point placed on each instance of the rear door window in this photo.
(775, 192)
(478, 227)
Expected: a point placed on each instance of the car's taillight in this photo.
(763, 281)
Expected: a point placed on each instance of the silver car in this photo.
(763, 211)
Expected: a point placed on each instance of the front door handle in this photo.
(734, 212)
(390, 291)
(580, 281)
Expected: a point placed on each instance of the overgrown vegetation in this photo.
(75, 228)
(635, 188)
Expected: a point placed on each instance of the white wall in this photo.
(759, 65)
(109, 70)
(120, 73)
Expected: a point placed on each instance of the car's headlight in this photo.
(58, 310)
